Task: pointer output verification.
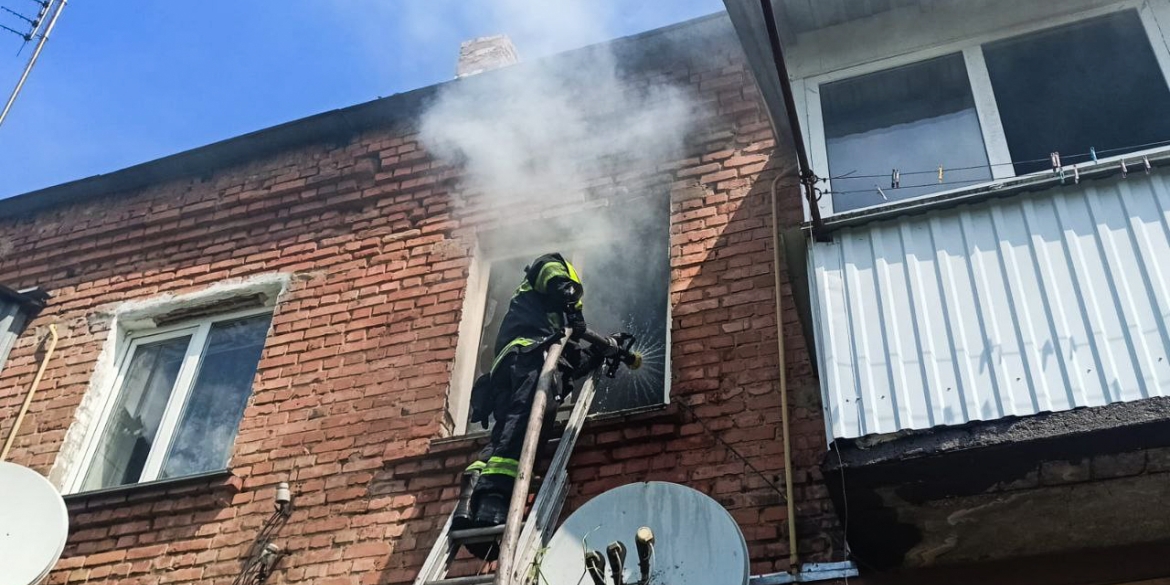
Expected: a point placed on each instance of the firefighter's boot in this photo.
(491, 509)
(464, 516)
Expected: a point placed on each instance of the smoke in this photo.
(551, 127)
(569, 150)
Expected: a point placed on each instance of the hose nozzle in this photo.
(616, 349)
(633, 360)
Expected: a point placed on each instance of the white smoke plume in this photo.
(546, 128)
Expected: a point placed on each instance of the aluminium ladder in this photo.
(518, 550)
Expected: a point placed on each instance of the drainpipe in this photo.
(807, 178)
(793, 553)
(31, 391)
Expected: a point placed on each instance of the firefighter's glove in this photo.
(590, 359)
(576, 321)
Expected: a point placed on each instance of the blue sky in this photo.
(129, 81)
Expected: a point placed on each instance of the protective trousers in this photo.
(514, 388)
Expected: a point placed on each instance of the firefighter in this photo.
(547, 301)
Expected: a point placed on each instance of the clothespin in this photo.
(895, 179)
(1076, 176)
(1093, 153)
(1124, 169)
(940, 174)
(1056, 166)
(882, 193)
(1146, 163)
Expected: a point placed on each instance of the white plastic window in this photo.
(180, 393)
(1091, 84)
(909, 118)
(990, 108)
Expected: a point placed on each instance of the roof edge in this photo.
(32, 300)
(330, 125)
(335, 124)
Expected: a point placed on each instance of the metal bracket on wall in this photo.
(264, 555)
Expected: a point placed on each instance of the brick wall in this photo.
(349, 400)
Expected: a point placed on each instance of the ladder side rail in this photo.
(527, 459)
(551, 497)
(435, 567)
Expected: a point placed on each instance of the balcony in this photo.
(995, 372)
(1014, 306)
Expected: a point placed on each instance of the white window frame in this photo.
(807, 90)
(471, 327)
(198, 329)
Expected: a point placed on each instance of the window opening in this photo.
(915, 117)
(180, 396)
(1092, 84)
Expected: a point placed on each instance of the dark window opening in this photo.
(1093, 84)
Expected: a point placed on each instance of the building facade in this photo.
(309, 304)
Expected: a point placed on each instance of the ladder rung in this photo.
(473, 580)
(472, 535)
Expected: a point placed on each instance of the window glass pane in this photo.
(627, 288)
(1091, 84)
(134, 420)
(914, 119)
(207, 429)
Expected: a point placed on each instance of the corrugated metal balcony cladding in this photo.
(1013, 306)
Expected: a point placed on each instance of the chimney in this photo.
(485, 54)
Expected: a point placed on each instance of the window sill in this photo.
(596, 422)
(209, 482)
(459, 443)
(1105, 167)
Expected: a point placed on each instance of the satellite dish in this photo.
(34, 525)
(696, 542)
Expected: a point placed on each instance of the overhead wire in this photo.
(904, 187)
(738, 455)
(934, 171)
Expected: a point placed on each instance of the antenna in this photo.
(45, 7)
